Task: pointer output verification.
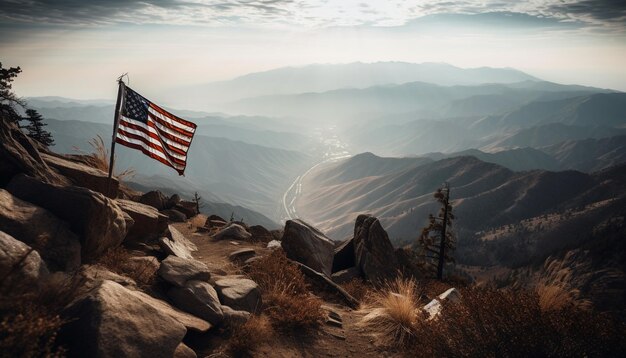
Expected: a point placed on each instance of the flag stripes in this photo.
(144, 126)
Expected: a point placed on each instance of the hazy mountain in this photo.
(518, 159)
(589, 154)
(55, 101)
(327, 77)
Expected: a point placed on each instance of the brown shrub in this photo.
(358, 289)
(286, 297)
(99, 158)
(249, 335)
(117, 260)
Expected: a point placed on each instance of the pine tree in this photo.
(35, 128)
(437, 241)
(9, 100)
(197, 199)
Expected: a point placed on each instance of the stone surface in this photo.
(374, 253)
(83, 175)
(346, 275)
(344, 256)
(155, 199)
(259, 233)
(198, 298)
(21, 268)
(435, 307)
(93, 275)
(234, 318)
(233, 232)
(178, 237)
(97, 220)
(41, 230)
(178, 271)
(324, 281)
(239, 294)
(175, 215)
(177, 244)
(241, 255)
(309, 246)
(187, 207)
(172, 201)
(183, 351)
(112, 321)
(274, 244)
(148, 225)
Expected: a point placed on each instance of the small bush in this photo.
(118, 260)
(286, 297)
(248, 336)
(358, 289)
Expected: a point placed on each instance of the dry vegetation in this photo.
(249, 335)
(118, 260)
(99, 158)
(286, 297)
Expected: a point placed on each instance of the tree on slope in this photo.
(437, 242)
(8, 100)
(35, 128)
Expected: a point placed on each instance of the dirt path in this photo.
(326, 341)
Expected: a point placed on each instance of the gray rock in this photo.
(177, 244)
(274, 244)
(234, 318)
(172, 201)
(178, 271)
(155, 199)
(259, 233)
(178, 237)
(175, 215)
(374, 253)
(94, 275)
(183, 351)
(44, 232)
(309, 246)
(21, 268)
(198, 298)
(346, 275)
(239, 294)
(97, 220)
(233, 232)
(241, 255)
(187, 207)
(344, 255)
(148, 225)
(112, 321)
(83, 175)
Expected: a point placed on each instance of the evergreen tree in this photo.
(437, 241)
(35, 128)
(8, 100)
(198, 200)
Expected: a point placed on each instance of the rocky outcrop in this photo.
(183, 351)
(260, 234)
(307, 245)
(83, 175)
(21, 267)
(155, 199)
(346, 275)
(344, 256)
(198, 298)
(188, 208)
(175, 215)
(233, 317)
(177, 244)
(44, 232)
(241, 255)
(112, 321)
(233, 232)
(239, 294)
(434, 307)
(148, 225)
(178, 271)
(97, 220)
(373, 252)
(326, 283)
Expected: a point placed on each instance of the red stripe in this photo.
(153, 146)
(169, 136)
(169, 126)
(153, 135)
(172, 117)
(151, 155)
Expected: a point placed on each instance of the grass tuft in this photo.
(249, 335)
(118, 260)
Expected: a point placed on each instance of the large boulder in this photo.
(177, 244)
(374, 253)
(149, 223)
(189, 208)
(198, 298)
(155, 199)
(233, 232)
(21, 267)
(239, 294)
(19, 154)
(97, 220)
(309, 246)
(344, 256)
(44, 232)
(112, 321)
(83, 175)
(259, 233)
(178, 271)
(175, 215)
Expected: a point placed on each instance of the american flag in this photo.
(144, 126)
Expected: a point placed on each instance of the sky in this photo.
(78, 48)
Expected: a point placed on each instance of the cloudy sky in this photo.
(77, 48)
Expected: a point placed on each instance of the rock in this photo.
(19, 154)
(148, 225)
(21, 267)
(233, 232)
(333, 322)
(239, 294)
(188, 208)
(178, 271)
(325, 282)
(274, 244)
(172, 201)
(251, 260)
(177, 244)
(234, 318)
(374, 253)
(94, 275)
(198, 298)
(216, 217)
(83, 175)
(434, 307)
(44, 232)
(97, 220)
(241, 255)
(344, 256)
(215, 223)
(155, 199)
(309, 246)
(178, 237)
(450, 295)
(175, 215)
(112, 321)
(332, 313)
(259, 233)
(346, 275)
(182, 351)
(145, 262)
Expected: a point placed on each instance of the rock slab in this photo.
(309, 246)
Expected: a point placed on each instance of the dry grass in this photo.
(117, 260)
(250, 335)
(286, 297)
(358, 289)
(391, 313)
(197, 221)
(99, 158)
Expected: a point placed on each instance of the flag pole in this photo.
(118, 104)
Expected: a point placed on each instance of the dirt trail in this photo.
(326, 341)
